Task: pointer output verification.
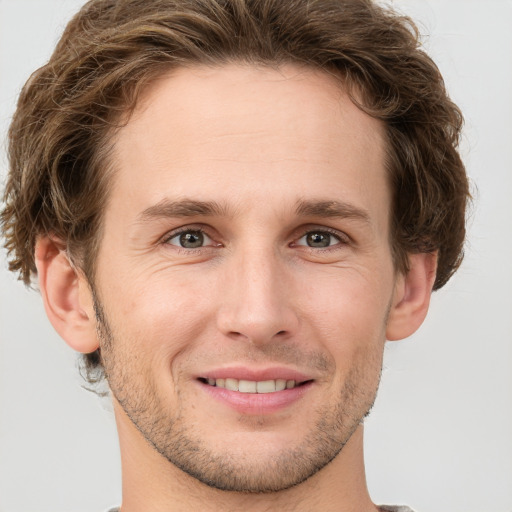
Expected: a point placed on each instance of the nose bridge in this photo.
(257, 303)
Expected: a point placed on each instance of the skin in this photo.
(287, 160)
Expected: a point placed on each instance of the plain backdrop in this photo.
(440, 436)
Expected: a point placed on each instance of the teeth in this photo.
(247, 386)
(266, 386)
(280, 384)
(232, 384)
(250, 386)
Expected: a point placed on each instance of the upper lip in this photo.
(255, 374)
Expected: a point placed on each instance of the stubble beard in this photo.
(173, 438)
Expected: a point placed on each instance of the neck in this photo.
(150, 482)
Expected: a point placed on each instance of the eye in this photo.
(190, 239)
(319, 239)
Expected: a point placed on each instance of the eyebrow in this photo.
(304, 208)
(180, 209)
(331, 209)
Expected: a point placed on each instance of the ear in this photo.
(66, 296)
(412, 296)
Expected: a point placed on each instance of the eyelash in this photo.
(342, 239)
(188, 229)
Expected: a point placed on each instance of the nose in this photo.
(257, 299)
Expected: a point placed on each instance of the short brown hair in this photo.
(67, 111)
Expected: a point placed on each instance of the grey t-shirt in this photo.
(395, 508)
(384, 508)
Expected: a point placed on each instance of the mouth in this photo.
(252, 386)
(256, 391)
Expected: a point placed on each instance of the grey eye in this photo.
(318, 239)
(190, 239)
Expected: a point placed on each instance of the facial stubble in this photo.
(173, 439)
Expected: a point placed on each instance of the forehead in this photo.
(237, 132)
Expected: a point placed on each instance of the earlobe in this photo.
(412, 296)
(66, 296)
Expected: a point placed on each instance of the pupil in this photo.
(191, 239)
(318, 240)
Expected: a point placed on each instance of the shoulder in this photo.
(395, 508)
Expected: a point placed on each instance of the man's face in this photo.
(246, 245)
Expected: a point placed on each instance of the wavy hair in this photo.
(69, 108)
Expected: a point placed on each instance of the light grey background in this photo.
(440, 436)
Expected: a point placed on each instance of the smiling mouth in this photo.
(250, 386)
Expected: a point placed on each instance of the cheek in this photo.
(348, 315)
(347, 300)
(155, 318)
(167, 319)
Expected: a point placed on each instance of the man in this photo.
(230, 206)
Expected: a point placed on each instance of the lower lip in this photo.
(257, 403)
